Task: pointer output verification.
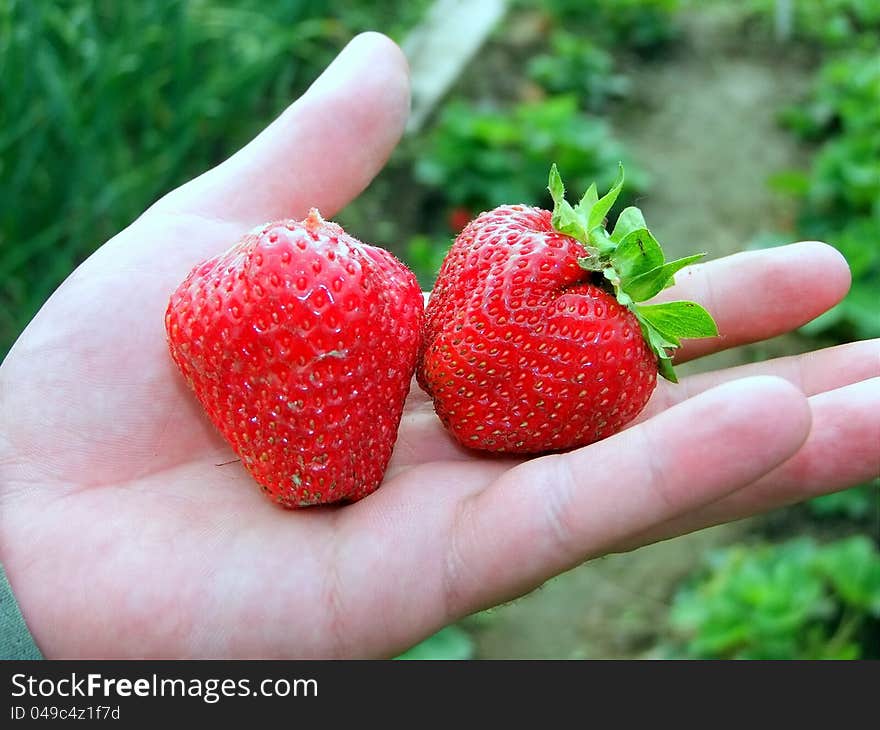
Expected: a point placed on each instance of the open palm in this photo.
(127, 528)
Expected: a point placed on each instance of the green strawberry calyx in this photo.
(634, 264)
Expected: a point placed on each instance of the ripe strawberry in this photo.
(534, 339)
(458, 218)
(300, 342)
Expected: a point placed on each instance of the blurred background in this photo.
(742, 124)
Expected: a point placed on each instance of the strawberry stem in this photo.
(633, 262)
(313, 221)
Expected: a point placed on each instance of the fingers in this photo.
(322, 151)
(760, 294)
(842, 450)
(549, 514)
(812, 373)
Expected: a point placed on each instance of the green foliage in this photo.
(643, 26)
(840, 195)
(482, 158)
(843, 113)
(108, 105)
(831, 23)
(844, 96)
(574, 65)
(856, 316)
(795, 600)
(448, 643)
(631, 259)
(425, 256)
(857, 503)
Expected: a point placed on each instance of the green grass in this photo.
(108, 105)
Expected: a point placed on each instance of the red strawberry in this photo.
(300, 343)
(534, 340)
(458, 218)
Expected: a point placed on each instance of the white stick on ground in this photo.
(440, 47)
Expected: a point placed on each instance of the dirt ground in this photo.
(706, 121)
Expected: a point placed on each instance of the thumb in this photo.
(321, 152)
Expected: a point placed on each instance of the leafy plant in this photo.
(644, 26)
(857, 503)
(108, 105)
(843, 97)
(425, 255)
(831, 23)
(577, 66)
(840, 195)
(856, 316)
(795, 600)
(449, 643)
(481, 158)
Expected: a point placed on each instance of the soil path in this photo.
(709, 139)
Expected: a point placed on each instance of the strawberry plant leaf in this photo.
(565, 219)
(660, 345)
(451, 642)
(852, 567)
(590, 198)
(590, 263)
(631, 219)
(658, 340)
(600, 208)
(651, 283)
(675, 320)
(632, 261)
(664, 367)
(602, 241)
(555, 185)
(637, 253)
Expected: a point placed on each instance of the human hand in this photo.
(124, 534)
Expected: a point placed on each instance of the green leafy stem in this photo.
(633, 262)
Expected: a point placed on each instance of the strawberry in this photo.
(535, 335)
(458, 218)
(300, 343)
